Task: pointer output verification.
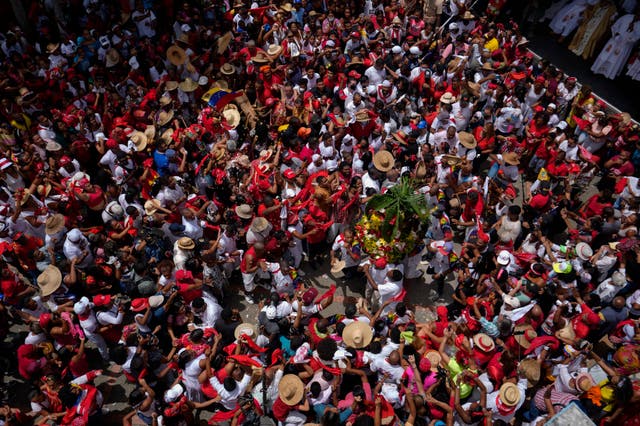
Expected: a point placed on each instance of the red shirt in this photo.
(281, 410)
(539, 201)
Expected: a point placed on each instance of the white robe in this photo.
(569, 17)
(613, 57)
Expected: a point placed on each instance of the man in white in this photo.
(230, 389)
(612, 59)
(390, 288)
(90, 326)
(207, 309)
(145, 21)
(376, 72)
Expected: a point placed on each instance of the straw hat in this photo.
(52, 47)
(383, 160)
(434, 358)
(338, 266)
(566, 334)
(400, 136)
(484, 342)
(524, 334)
(244, 211)
(227, 69)
(286, 7)
(246, 328)
(511, 158)
(259, 224)
(171, 86)
(357, 335)
(54, 224)
(188, 85)
(139, 140)
(150, 133)
(112, 58)
(223, 42)
(291, 389)
(584, 251)
(467, 140)
(260, 58)
(232, 116)
(274, 51)
(176, 55)
(363, 116)
(164, 117)
(49, 280)
(509, 395)
(150, 206)
(167, 135)
(447, 98)
(530, 369)
(186, 243)
(468, 15)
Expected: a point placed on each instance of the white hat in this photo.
(270, 312)
(203, 80)
(5, 163)
(133, 62)
(173, 393)
(552, 106)
(386, 83)
(81, 305)
(74, 235)
(315, 157)
(104, 42)
(414, 50)
(100, 135)
(584, 251)
(504, 258)
(562, 125)
(331, 43)
(185, 28)
(396, 49)
(453, 26)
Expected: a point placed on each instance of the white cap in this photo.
(504, 258)
(270, 311)
(100, 136)
(386, 83)
(81, 305)
(185, 28)
(396, 49)
(453, 26)
(173, 393)
(74, 235)
(552, 106)
(203, 80)
(133, 61)
(562, 125)
(315, 157)
(414, 50)
(331, 43)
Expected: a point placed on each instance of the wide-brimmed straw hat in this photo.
(530, 369)
(383, 161)
(511, 158)
(139, 140)
(227, 69)
(467, 140)
(483, 342)
(244, 211)
(274, 51)
(232, 116)
(49, 280)
(434, 358)
(357, 335)
(246, 328)
(54, 224)
(291, 389)
(188, 85)
(509, 396)
(259, 224)
(164, 117)
(524, 335)
(223, 42)
(338, 266)
(176, 55)
(261, 58)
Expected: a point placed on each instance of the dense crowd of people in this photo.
(163, 166)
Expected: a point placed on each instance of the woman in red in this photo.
(597, 203)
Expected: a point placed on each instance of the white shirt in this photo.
(229, 399)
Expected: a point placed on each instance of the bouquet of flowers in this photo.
(391, 225)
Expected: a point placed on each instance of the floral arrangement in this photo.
(391, 225)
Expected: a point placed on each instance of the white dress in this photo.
(634, 69)
(190, 379)
(568, 18)
(613, 57)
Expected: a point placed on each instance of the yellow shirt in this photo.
(492, 44)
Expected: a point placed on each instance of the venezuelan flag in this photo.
(219, 98)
